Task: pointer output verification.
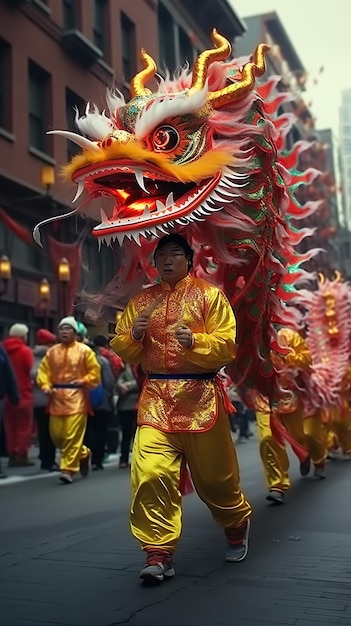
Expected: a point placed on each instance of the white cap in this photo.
(18, 330)
(69, 321)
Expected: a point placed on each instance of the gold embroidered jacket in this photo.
(65, 364)
(178, 404)
(298, 358)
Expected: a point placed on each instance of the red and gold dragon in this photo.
(328, 336)
(203, 155)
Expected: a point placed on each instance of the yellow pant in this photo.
(307, 431)
(67, 433)
(316, 438)
(293, 422)
(340, 424)
(274, 457)
(156, 514)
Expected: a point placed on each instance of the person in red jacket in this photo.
(18, 420)
(116, 363)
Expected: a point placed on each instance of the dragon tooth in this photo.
(169, 200)
(120, 237)
(79, 191)
(146, 210)
(162, 229)
(136, 237)
(104, 218)
(107, 240)
(140, 179)
(159, 205)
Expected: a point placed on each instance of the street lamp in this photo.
(47, 177)
(5, 272)
(64, 276)
(64, 271)
(44, 290)
(44, 295)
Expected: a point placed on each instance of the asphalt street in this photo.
(67, 557)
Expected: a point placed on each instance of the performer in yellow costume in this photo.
(182, 331)
(273, 454)
(65, 374)
(304, 426)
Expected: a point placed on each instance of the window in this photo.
(72, 102)
(69, 9)
(186, 51)
(166, 39)
(5, 85)
(100, 28)
(128, 48)
(39, 107)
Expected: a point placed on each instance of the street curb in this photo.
(20, 478)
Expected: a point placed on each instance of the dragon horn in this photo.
(237, 90)
(321, 278)
(337, 276)
(204, 60)
(137, 84)
(81, 141)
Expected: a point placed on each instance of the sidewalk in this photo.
(18, 474)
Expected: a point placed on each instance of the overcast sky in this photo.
(321, 35)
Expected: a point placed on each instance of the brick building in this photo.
(56, 55)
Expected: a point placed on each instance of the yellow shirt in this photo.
(64, 364)
(179, 404)
(298, 358)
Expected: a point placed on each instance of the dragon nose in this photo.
(118, 136)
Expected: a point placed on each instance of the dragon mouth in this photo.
(148, 202)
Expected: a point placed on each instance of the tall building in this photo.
(55, 56)
(345, 155)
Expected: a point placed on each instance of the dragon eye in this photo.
(165, 138)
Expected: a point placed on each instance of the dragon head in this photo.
(166, 158)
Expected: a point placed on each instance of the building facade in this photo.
(55, 56)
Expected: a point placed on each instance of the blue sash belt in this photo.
(66, 386)
(195, 376)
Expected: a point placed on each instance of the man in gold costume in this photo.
(66, 373)
(304, 427)
(182, 331)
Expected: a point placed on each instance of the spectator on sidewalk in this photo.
(98, 423)
(44, 339)
(102, 343)
(65, 374)
(8, 386)
(128, 390)
(18, 420)
(82, 334)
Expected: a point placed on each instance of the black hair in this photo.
(100, 340)
(179, 241)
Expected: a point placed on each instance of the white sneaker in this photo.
(238, 552)
(66, 478)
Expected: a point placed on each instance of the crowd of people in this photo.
(66, 392)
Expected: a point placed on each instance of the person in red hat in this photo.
(44, 339)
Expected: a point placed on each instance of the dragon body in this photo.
(328, 334)
(203, 155)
